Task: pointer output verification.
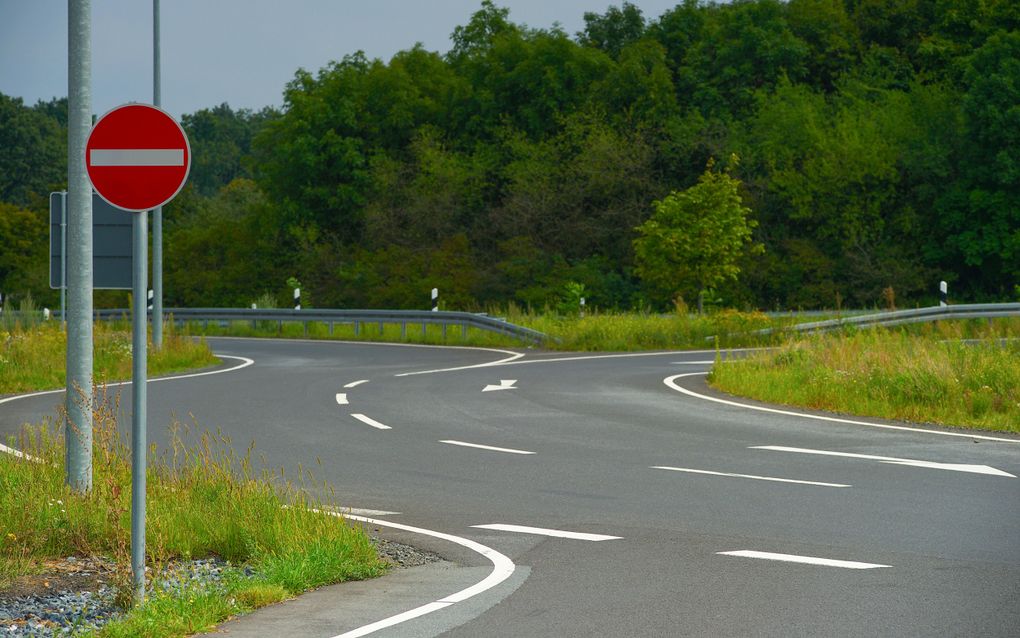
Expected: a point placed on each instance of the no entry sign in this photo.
(137, 157)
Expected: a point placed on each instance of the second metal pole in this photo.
(157, 214)
(139, 267)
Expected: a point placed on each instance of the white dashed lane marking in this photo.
(541, 531)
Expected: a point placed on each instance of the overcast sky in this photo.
(241, 52)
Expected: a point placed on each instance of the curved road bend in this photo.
(689, 517)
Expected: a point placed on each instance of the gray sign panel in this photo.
(111, 244)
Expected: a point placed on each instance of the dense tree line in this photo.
(873, 144)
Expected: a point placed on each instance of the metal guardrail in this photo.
(464, 320)
(916, 315)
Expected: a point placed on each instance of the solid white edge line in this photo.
(9, 450)
(748, 476)
(513, 357)
(341, 398)
(808, 560)
(556, 533)
(513, 361)
(486, 447)
(354, 384)
(502, 569)
(671, 383)
(363, 511)
(245, 363)
(368, 421)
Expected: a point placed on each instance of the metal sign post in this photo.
(140, 238)
(78, 399)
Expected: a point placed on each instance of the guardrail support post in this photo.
(444, 331)
(403, 330)
(357, 328)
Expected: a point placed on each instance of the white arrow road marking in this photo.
(136, 157)
(504, 384)
(523, 529)
(367, 421)
(809, 560)
(953, 467)
(341, 398)
(747, 476)
(487, 447)
(354, 384)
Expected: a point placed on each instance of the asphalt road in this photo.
(919, 531)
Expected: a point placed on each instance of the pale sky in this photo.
(242, 52)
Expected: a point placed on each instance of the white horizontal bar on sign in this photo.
(557, 533)
(808, 560)
(136, 157)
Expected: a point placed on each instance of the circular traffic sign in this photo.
(137, 157)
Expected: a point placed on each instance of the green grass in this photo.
(594, 332)
(922, 374)
(391, 333)
(614, 332)
(202, 500)
(33, 357)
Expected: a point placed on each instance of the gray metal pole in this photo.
(78, 401)
(139, 266)
(157, 214)
(63, 261)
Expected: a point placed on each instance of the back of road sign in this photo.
(111, 244)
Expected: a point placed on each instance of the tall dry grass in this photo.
(927, 374)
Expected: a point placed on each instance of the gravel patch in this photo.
(72, 595)
(403, 555)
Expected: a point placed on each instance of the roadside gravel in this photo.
(73, 595)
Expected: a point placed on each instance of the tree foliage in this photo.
(695, 238)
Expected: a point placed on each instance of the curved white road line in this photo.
(671, 383)
(502, 568)
(513, 361)
(245, 362)
(513, 357)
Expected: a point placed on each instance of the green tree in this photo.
(33, 150)
(980, 217)
(694, 239)
(23, 246)
(613, 30)
(221, 140)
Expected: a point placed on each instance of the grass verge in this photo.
(33, 357)
(923, 374)
(203, 500)
(608, 332)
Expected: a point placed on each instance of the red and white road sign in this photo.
(137, 157)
